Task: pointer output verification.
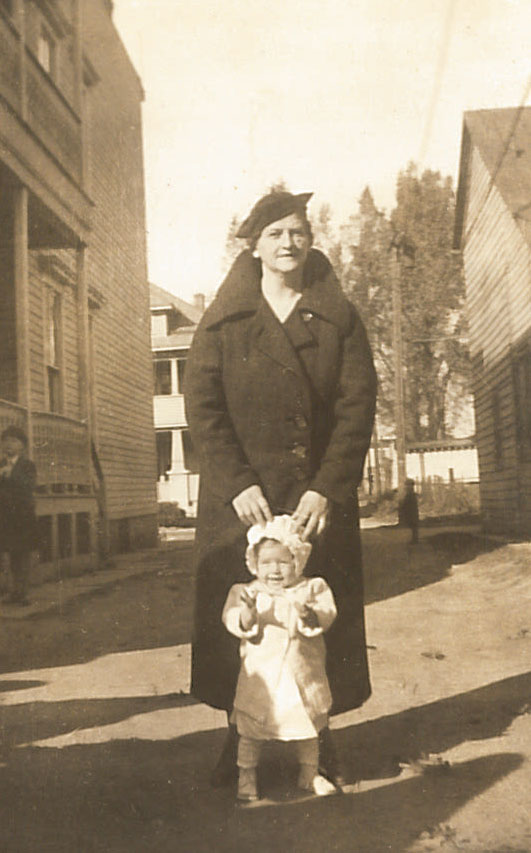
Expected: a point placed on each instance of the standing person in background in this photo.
(18, 524)
(280, 394)
(408, 511)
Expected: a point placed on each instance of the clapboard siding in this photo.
(116, 267)
(8, 343)
(497, 263)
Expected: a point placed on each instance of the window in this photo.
(82, 521)
(162, 378)
(52, 350)
(163, 452)
(46, 51)
(159, 325)
(522, 402)
(64, 533)
(191, 461)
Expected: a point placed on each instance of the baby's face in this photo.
(275, 565)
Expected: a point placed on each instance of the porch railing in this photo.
(60, 447)
(48, 113)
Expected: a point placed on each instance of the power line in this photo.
(439, 73)
(462, 338)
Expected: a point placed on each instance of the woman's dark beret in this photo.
(271, 207)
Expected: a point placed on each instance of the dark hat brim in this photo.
(271, 208)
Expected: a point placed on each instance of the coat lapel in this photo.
(240, 295)
(270, 338)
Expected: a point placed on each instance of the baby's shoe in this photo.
(247, 786)
(311, 780)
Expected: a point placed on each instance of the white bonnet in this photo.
(284, 530)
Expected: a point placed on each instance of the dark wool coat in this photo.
(18, 525)
(289, 408)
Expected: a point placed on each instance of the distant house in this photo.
(493, 231)
(447, 460)
(173, 323)
(75, 357)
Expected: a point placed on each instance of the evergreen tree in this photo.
(233, 245)
(433, 301)
(366, 241)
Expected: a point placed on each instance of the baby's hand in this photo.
(248, 614)
(308, 616)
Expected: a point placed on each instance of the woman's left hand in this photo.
(311, 513)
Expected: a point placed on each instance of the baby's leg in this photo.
(309, 776)
(248, 757)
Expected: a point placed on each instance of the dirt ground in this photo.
(104, 750)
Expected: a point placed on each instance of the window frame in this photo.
(53, 351)
(46, 37)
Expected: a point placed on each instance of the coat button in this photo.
(299, 451)
(300, 421)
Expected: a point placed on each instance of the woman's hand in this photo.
(251, 506)
(311, 513)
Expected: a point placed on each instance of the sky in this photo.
(328, 95)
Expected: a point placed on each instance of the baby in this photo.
(282, 691)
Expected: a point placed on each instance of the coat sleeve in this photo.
(23, 481)
(341, 467)
(231, 614)
(211, 428)
(321, 601)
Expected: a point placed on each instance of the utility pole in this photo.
(399, 248)
(377, 469)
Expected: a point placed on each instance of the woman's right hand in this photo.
(251, 507)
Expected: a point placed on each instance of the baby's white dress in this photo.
(282, 691)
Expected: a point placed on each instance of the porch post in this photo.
(20, 242)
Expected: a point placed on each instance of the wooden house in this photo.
(75, 358)
(493, 232)
(173, 323)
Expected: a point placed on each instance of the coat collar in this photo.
(241, 292)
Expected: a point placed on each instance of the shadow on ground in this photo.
(392, 566)
(8, 686)
(150, 795)
(37, 721)
(154, 609)
(145, 611)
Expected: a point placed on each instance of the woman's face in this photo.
(283, 245)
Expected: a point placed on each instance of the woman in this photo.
(280, 395)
